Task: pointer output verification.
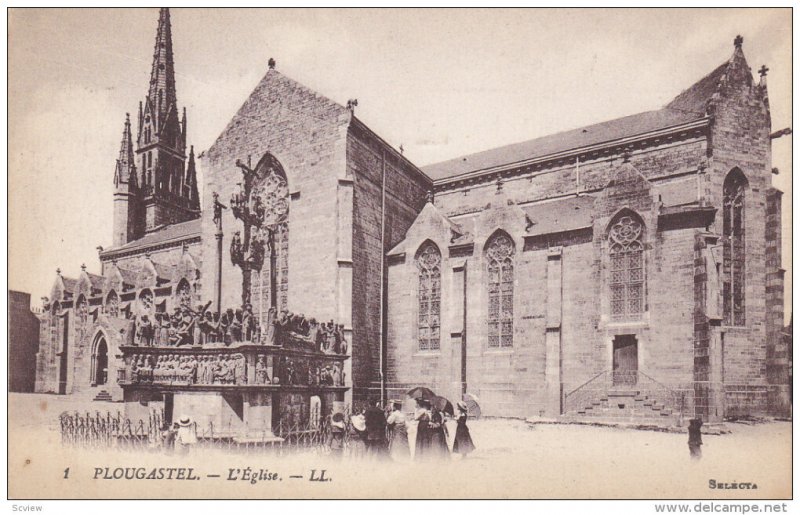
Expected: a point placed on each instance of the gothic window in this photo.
(429, 296)
(184, 294)
(112, 304)
(266, 208)
(500, 268)
(626, 268)
(733, 259)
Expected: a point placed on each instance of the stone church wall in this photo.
(367, 159)
(306, 133)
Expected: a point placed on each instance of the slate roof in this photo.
(560, 215)
(695, 99)
(98, 281)
(560, 142)
(166, 234)
(690, 105)
(69, 284)
(128, 276)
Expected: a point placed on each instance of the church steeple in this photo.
(162, 94)
(127, 216)
(191, 181)
(161, 142)
(125, 171)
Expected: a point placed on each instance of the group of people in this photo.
(379, 433)
(180, 436)
(199, 327)
(204, 369)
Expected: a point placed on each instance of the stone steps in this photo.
(103, 396)
(624, 405)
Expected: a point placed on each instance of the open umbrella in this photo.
(443, 405)
(473, 409)
(421, 392)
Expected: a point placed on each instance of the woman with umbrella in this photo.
(463, 443)
(423, 441)
(438, 435)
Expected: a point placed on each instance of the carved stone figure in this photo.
(261, 371)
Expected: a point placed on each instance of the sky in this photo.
(441, 82)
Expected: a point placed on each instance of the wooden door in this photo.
(626, 360)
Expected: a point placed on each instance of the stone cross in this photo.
(763, 70)
(737, 42)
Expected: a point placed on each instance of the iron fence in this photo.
(114, 431)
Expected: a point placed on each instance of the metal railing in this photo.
(98, 431)
(598, 387)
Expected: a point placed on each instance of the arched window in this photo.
(268, 202)
(626, 267)
(733, 248)
(500, 268)
(429, 296)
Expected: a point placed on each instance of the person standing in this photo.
(357, 436)
(398, 443)
(463, 442)
(376, 430)
(336, 438)
(423, 439)
(695, 439)
(186, 438)
(438, 435)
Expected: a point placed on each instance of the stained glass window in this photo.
(733, 248)
(626, 268)
(500, 268)
(429, 262)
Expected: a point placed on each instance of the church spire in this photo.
(161, 95)
(125, 172)
(191, 182)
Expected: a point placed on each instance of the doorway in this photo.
(626, 360)
(101, 363)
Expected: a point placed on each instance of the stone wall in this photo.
(23, 342)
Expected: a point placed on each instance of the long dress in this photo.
(438, 438)
(463, 441)
(398, 444)
(423, 442)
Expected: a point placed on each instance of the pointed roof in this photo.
(698, 98)
(191, 180)
(162, 75)
(691, 105)
(277, 91)
(124, 171)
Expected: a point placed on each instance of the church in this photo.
(630, 268)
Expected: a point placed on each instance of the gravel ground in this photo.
(513, 459)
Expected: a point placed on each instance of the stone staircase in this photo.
(103, 396)
(625, 405)
(640, 400)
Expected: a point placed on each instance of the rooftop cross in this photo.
(271, 63)
(737, 41)
(763, 70)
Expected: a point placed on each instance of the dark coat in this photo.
(463, 442)
(376, 424)
(438, 436)
(423, 441)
